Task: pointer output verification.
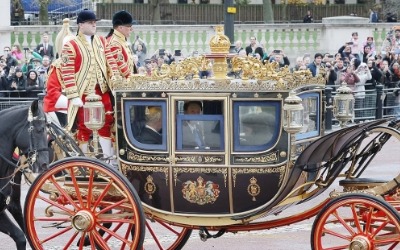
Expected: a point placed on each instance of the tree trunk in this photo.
(268, 11)
(44, 12)
(155, 17)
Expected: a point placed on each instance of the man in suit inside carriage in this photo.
(192, 132)
(151, 132)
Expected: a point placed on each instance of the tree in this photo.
(390, 9)
(155, 11)
(268, 11)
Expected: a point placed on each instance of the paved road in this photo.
(296, 236)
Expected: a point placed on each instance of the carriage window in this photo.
(146, 124)
(256, 125)
(311, 104)
(200, 132)
(199, 125)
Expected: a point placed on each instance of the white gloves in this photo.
(62, 102)
(77, 102)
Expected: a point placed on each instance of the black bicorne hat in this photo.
(85, 16)
(122, 18)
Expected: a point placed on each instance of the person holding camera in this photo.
(17, 81)
(34, 84)
(117, 43)
(9, 60)
(139, 49)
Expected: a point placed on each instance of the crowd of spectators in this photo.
(24, 73)
(359, 61)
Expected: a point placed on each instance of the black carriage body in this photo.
(232, 175)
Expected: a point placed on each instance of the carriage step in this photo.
(360, 183)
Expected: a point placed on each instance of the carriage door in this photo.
(199, 152)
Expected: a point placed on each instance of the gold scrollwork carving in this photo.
(150, 187)
(127, 167)
(199, 159)
(262, 170)
(253, 188)
(132, 156)
(201, 170)
(269, 158)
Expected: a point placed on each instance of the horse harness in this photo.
(31, 157)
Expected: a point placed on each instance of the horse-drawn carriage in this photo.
(257, 147)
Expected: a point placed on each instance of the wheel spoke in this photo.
(343, 222)
(103, 194)
(76, 187)
(71, 240)
(65, 230)
(63, 192)
(55, 204)
(114, 234)
(355, 216)
(100, 240)
(155, 238)
(338, 235)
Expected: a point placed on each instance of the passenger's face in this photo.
(193, 109)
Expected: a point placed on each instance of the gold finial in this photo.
(220, 43)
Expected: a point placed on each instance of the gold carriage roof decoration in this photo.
(255, 75)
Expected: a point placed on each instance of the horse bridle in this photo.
(32, 151)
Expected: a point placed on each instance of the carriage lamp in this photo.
(343, 104)
(293, 114)
(94, 116)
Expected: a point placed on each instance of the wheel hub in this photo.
(83, 221)
(360, 243)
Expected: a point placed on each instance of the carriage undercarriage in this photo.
(233, 183)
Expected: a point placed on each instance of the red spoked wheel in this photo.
(162, 236)
(356, 221)
(92, 205)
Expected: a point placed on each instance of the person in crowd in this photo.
(355, 45)
(299, 65)
(34, 84)
(17, 53)
(17, 81)
(151, 132)
(391, 17)
(168, 57)
(308, 18)
(386, 81)
(350, 77)
(316, 66)
(345, 51)
(45, 48)
(364, 74)
(373, 16)
(375, 73)
(43, 69)
(367, 53)
(340, 71)
(330, 74)
(122, 22)
(4, 83)
(254, 48)
(87, 68)
(279, 57)
(11, 62)
(371, 43)
(307, 59)
(238, 46)
(139, 48)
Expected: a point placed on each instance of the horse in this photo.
(23, 127)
